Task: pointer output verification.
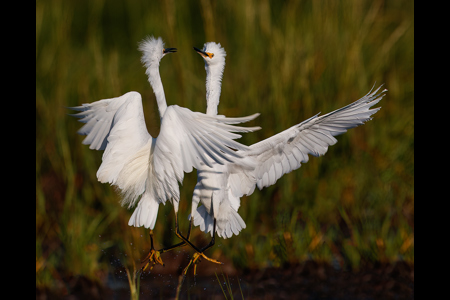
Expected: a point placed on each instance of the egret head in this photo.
(153, 51)
(213, 54)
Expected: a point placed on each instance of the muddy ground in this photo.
(307, 280)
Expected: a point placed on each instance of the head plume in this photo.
(217, 52)
(152, 51)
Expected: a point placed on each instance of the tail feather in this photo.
(203, 219)
(228, 223)
(145, 213)
(231, 223)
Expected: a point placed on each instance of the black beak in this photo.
(170, 50)
(200, 51)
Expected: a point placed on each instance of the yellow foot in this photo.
(196, 259)
(153, 258)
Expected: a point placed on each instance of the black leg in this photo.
(151, 239)
(185, 240)
(153, 257)
(195, 259)
(179, 244)
(213, 239)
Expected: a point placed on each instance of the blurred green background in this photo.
(287, 60)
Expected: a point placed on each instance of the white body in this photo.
(219, 190)
(147, 170)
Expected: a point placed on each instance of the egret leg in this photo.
(153, 257)
(196, 258)
(199, 252)
(183, 243)
(185, 240)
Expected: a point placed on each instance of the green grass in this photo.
(287, 60)
(226, 283)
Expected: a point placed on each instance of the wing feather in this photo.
(313, 136)
(188, 140)
(148, 170)
(98, 117)
(125, 162)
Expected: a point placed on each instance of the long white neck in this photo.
(155, 81)
(213, 87)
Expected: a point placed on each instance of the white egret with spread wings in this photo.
(273, 157)
(147, 169)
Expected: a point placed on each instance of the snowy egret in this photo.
(145, 169)
(274, 156)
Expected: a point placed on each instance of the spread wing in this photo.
(286, 151)
(98, 117)
(117, 125)
(149, 169)
(190, 139)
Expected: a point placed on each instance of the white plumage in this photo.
(219, 190)
(147, 170)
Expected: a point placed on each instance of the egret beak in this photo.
(203, 53)
(169, 50)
